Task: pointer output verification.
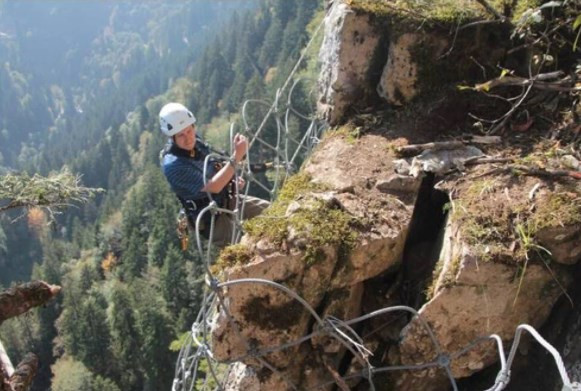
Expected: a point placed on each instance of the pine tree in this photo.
(125, 344)
(155, 332)
(174, 283)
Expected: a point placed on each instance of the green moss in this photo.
(441, 11)
(317, 222)
(560, 209)
(237, 254)
(271, 223)
(447, 280)
(499, 221)
(350, 133)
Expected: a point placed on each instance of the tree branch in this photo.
(418, 148)
(56, 190)
(491, 9)
(19, 299)
(24, 373)
(563, 85)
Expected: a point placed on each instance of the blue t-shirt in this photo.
(185, 173)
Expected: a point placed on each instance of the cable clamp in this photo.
(572, 387)
(503, 378)
(443, 360)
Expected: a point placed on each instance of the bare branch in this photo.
(20, 298)
(491, 10)
(56, 190)
(563, 85)
(22, 378)
(418, 148)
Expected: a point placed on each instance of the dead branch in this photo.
(414, 149)
(479, 23)
(487, 160)
(547, 173)
(523, 170)
(472, 138)
(19, 299)
(56, 190)
(562, 85)
(24, 373)
(491, 10)
(6, 367)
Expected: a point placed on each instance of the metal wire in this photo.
(190, 374)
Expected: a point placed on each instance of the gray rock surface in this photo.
(350, 42)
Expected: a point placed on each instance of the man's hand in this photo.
(240, 147)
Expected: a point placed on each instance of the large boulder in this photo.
(400, 78)
(351, 40)
(492, 274)
(330, 236)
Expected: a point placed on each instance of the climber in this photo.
(182, 162)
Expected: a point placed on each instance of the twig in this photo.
(523, 170)
(536, 41)
(480, 65)
(523, 82)
(491, 9)
(480, 22)
(20, 298)
(486, 160)
(418, 148)
(453, 43)
(547, 173)
(24, 373)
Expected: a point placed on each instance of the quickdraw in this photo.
(182, 229)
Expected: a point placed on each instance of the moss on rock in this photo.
(500, 222)
(315, 221)
(442, 11)
(236, 254)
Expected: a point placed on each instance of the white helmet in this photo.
(175, 117)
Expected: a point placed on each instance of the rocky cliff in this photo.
(413, 199)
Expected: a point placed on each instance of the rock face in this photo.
(255, 316)
(495, 306)
(373, 51)
(490, 286)
(493, 271)
(564, 243)
(351, 40)
(400, 77)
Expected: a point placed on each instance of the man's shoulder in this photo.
(169, 160)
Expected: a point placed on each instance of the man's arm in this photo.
(222, 177)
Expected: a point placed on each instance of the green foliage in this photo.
(174, 284)
(119, 324)
(85, 332)
(72, 375)
(125, 342)
(57, 190)
(177, 344)
(154, 328)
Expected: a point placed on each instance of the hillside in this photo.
(127, 289)
(440, 206)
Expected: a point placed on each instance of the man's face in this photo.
(186, 139)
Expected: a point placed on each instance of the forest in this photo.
(81, 85)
